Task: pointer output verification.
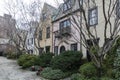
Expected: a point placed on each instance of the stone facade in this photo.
(65, 35)
(7, 26)
(69, 39)
(45, 29)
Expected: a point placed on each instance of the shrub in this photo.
(45, 70)
(26, 60)
(106, 78)
(88, 70)
(77, 76)
(48, 73)
(30, 62)
(67, 61)
(22, 59)
(69, 73)
(93, 78)
(11, 55)
(83, 61)
(44, 59)
(111, 55)
(117, 65)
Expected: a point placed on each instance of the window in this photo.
(44, 16)
(65, 24)
(28, 41)
(56, 50)
(40, 35)
(93, 16)
(30, 51)
(30, 30)
(118, 8)
(81, 2)
(48, 32)
(74, 47)
(67, 5)
(31, 40)
(41, 50)
(47, 49)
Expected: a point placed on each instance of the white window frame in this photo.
(93, 16)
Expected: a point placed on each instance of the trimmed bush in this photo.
(44, 60)
(117, 65)
(92, 78)
(67, 61)
(22, 59)
(88, 70)
(106, 78)
(50, 74)
(45, 70)
(27, 60)
(77, 76)
(11, 55)
(83, 61)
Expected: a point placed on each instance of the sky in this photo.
(3, 5)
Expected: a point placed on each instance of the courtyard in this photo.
(9, 70)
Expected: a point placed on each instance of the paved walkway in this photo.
(9, 70)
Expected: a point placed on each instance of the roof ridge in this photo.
(49, 5)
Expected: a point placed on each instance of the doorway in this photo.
(62, 49)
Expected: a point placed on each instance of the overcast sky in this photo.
(51, 2)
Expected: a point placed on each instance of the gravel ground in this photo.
(9, 70)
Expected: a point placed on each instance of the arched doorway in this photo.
(62, 49)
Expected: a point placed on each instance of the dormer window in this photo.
(67, 5)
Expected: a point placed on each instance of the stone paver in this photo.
(9, 70)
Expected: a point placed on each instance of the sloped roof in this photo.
(49, 7)
(58, 12)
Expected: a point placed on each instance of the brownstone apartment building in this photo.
(7, 26)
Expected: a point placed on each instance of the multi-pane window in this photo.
(67, 5)
(40, 35)
(56, 50)
(41, 50)
(74, 47)
(31, 40)
(44, 16)
(65, 23)
(48, 32)
(28, 41)
(118, 8)
(80, 2)
(93, 16)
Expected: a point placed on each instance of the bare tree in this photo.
(24, 14)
